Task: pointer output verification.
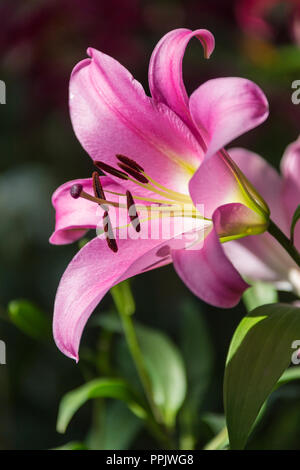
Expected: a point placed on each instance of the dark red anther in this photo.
(129, 162)
(111, 170)
(97, 186)
(109, 233)
(98, 190)
(75, 190)
(135, 174)
(132, 212)
(163, 251)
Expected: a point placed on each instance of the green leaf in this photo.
(197, 353)
(166, 370)
(259, 353)
(30, 319)
(123, 298)
(215, 422)
(219, 442)
(295, 219)
(73, 445)
(109, 321)
(119, 427)
(105, 388)
(260, 293)
(164, 365)
(291, 374)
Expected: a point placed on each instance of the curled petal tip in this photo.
(69, 352)
(76, 359)
(89, 51)
(208, 42)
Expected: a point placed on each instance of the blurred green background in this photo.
(40, 42)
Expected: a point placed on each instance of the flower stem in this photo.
(136, 354)
(155, 423)
(284, 241)
(125, 305)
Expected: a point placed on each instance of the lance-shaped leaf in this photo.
(291, 374)
(166, 371)
(73, 445)
(163, 362)
(117, 429)
(260, 293)
(259, 353)
(98, 388)
(29, 319)
(197, 353)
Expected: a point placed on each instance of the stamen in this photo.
(134, 169)
(169, 192)
(132, 212)
(173, 210)
(100, 172)
(75, 190)
(133, 165)
(136, 174)
(129, 162)
(172, 204)
(148, 199)
(109, 233)
(113, 171)
(98, 190)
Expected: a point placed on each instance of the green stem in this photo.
(156, 424)
(284, 241)
(136, 354)
(219, 441)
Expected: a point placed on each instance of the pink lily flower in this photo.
(262, 258)
(174, 156)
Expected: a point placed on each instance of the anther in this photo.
(75, 190)
(111, 170)
(129, 162)
(109, 233)
(136, 174)
(98, 190)
(163, 251)
(132, 212)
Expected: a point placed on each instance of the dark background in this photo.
(40, 42)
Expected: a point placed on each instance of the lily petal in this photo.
(165, 69)
(290, 167)
(95, 269)
(261, 258)
(208, 273)
(73, 217)
(265, 178)
(215, 184)
(225, 108)
(111, 114)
